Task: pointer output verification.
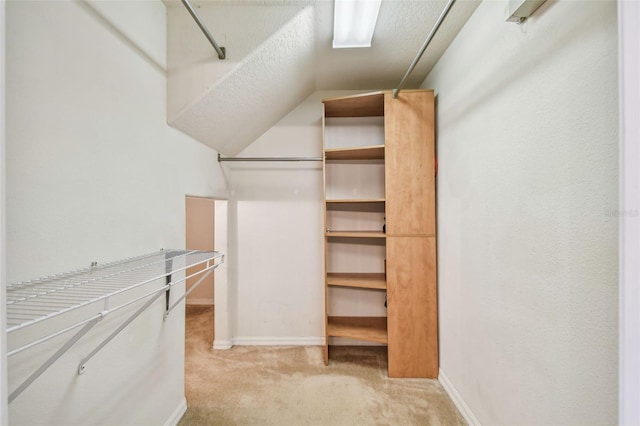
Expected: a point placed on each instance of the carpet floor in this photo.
(290, 385)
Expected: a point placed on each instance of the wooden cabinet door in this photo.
(412, 302)
(409, 163)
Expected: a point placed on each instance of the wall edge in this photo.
(457, 399)
(177, 414)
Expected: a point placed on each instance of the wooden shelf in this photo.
(371, 329)
(371, 205)
(355, 234)
(363, 105)
(375, 152)
(356, 201)
(358, 280)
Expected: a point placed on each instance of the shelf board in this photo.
(362, 105)
(362, 205)
(375, 152)
(355, 234)
(358, 280)
(356, 201)
(371, 329)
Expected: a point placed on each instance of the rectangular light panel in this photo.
(354, 22)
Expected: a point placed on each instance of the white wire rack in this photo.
(33, 302)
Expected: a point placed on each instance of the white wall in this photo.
(629, 89)
(3, 325)
(222, 332)
(275, 234)
(200, 232)
(527, 214)
(94, 173)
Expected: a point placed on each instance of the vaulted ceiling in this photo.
(278, 53)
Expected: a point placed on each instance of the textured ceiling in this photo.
(401, 29)
(279, 52)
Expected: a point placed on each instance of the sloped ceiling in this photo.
(278, 53)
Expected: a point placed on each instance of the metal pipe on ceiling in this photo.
(222, 54)
(423, 48)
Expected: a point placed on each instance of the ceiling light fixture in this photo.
(354, 22)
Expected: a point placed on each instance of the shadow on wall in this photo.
(477, 87)
(92, 11)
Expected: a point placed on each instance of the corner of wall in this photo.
(457, 399)
(177, 413)
(629, 291)
(222, 344)
(3, 336)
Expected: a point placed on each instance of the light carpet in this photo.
(284, 385)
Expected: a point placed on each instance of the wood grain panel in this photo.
(356, 204)
(374, 281)
(375, 152)
(370, 329)
(409, 163)
(325, 349)
(412, 307)
(364, 105)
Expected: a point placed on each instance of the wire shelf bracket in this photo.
(32, 302)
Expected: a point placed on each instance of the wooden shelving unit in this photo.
(401, 159)
(361, 212)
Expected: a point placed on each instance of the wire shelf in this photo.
(31, 302)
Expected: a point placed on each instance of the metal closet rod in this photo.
(222, 53)
(273, 159)
(423, 48)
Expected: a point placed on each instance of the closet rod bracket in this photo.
(222, 52)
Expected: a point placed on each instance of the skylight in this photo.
(354, 22)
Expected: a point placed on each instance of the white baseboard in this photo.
(177, 413)
(457, 400)
(288, 341)
(222, 344)
(208, 302)
(278, 341)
